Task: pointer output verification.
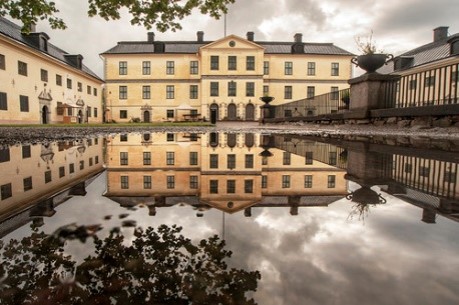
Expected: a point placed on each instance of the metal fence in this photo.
(332, 102)
(437, 86)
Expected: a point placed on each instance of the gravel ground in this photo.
(14, 135)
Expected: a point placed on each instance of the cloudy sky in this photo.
(397, 25)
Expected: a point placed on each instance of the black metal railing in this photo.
(437, 86)
(332, 102)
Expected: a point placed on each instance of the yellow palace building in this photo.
(191, 80)
(41, 84)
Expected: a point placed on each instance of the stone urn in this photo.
(371, 62)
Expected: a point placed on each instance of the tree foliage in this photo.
(163, 14)
(160, 266)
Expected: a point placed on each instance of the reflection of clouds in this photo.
(317, 257)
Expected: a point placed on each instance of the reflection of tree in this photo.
(161, 266)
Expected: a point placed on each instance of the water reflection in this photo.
(267, 197)
(160, 266)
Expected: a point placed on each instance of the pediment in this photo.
(232, 41)
(45, 95)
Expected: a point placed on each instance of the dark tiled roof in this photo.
(424, 54)
(13, 31)
(190, 47)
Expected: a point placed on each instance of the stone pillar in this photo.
(367, 94)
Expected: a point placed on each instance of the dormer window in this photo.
(455, 46)
(403, 62)
(43, 44)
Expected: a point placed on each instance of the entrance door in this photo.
(232, 112)
(44, 115)
(80, 117)
(146, 116)
(213, 113)
(249, 112)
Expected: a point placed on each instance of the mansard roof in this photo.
(13, 31)
(192, 47)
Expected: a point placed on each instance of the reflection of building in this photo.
(33, 173)
(223, 80)
(230, 172)
(40, 83)
(427, 183)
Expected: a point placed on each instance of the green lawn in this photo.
(115, 125)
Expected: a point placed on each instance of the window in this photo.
(170, 137)
(81, 165)
(146, 158)
(311, 68)
(250, 89)
(194, 67)
(424, 171)
(231, 161)
(449, 177)
(193, 92)
(213, 161)
(80, 87)
(331, 181)
(265, 90)
(26, 152)
(232, 63)
(332, 158)
(58, 80)
(123, 138)
(266, 67)
(170, 113)
(124, 182)
(248, 161)
(24, 103)
(44, 75)
(288, 68)
(170, 182)
(4, 155)
(170, 91)
(124, 158)
(248, 186)
(213, 88)
(250, 63)
(90, 162)
(89, 111)
(95, 112)
(123, 114)
(264, 181)
(214, 62)
(6, 191)
(95, 91)
(213, 186)
(170, 67)
(429, 81)
(96, 159)
(170, 158)
(232, 88)
(61, 171)
(307, 181)
(71, 168)
(146, 92)
(146, 67)
(193, 182)
(288, 92)
(122, 67)
(147, 182)
(334, 94)
(311, 92)
(285, 181)
(309, 157)
(27, 182)
(231, 186)
(123, 92)
(335, 69)
(22, 68)
(3, 101)
(193, 158)
(69, 83)
(2, 62)
(88, 89)
(286, 159)
(48, 177)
